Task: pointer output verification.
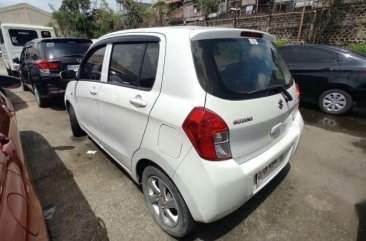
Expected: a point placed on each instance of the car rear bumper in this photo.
(51, 87)
(213, 190)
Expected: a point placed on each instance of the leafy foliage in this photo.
(280, 43)
(361, 48)
(138, 15)
(77, 18)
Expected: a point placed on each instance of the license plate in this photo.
(73, 67)
(260, 176)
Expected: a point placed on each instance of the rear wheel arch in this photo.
(343, 87)
(141, 165)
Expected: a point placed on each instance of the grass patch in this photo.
(358, 47)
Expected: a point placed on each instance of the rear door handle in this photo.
(93, 92)
(138, 101)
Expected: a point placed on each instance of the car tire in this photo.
(335, 102)
(175, 218)
(75, 127)
(41, 102)
(24, 87)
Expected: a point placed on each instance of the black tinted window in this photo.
(287, 54)
(91, 69)
(46, 34)
(311, 56)
(64, 48)
(149, 66)
(134, 64)
(19, 37)
(232, 68)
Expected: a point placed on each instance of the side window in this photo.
(287, 55)
(126, 63)
(134, 64)
(91, 69)
(149, 66)
(45, 34)
(313, 56)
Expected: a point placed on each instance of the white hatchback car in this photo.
(203, 118)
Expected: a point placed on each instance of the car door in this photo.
(23, 66)
(313, 69)
(126, 99)
(87, 90)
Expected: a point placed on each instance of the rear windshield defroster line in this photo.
(239, 68)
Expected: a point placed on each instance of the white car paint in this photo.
(9, 50)
(130, 133)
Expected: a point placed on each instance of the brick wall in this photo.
(350, 26)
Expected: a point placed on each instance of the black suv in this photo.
(42, 60)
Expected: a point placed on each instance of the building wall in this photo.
(24, 14)
(350, 26)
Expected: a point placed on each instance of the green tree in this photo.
(105, 20)
(77, 18)
(207, 6)
(161, 9)
(138, 15)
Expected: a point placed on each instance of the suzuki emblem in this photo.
(280, 104)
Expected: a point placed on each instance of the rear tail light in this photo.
(298, 93)
(208, 134)
(47, 66)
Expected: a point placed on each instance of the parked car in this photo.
(42, 60)
(203, 118)
(21, 215)
(332, 77)
(14, 36)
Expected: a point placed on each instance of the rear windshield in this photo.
(233, 68)
(66, 48)
(19, 37)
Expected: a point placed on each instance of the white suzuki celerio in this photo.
(203, 118)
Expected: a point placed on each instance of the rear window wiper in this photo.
(279, 88)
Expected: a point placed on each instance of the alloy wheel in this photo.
(334, 102)
(162, 201)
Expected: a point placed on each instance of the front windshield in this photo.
(233, 68)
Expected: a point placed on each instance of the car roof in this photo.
(319, 46)
(184, 31)
(16, 25)
(37, 40)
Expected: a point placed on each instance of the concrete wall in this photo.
(24, 14)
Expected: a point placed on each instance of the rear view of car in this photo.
(203, 118)
(42, 61)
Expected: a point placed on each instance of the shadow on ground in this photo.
(74, 219)
(215, 230)
(17, 102)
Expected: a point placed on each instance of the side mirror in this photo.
(9, 82)
(16, 60)
(67, 75)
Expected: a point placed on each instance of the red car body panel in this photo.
(21, 214)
